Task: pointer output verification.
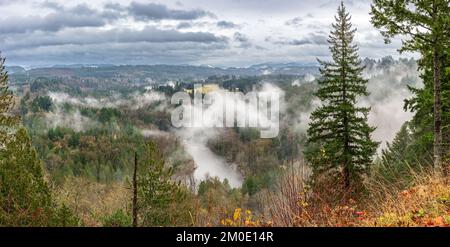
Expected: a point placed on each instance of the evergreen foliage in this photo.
(339, 129)
(425, 28)
(156, 190)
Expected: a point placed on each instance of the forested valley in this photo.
(361, 142)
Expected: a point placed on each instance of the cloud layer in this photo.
(217, 32)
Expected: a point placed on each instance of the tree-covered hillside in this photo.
(361, 141)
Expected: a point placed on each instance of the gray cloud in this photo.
(297, 21)
(242, 39)
(83, 16)
(83, 37)
(153, 11)
(310, 39)
(51, 5)
(56, 31)
(114, 7)
(227, 24)
(183, 25)
(78, 16)
(8, 2)
(117, 53)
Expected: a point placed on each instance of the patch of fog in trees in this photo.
(302, 118)
(306, 78)
(388, 90)
(195, 138)
(207, 163)
(388, 81)
(387, 87)
(133, 101)
(72, 118)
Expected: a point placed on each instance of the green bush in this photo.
(117, 219)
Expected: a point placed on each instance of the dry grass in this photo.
(291, 197)
(424, 203)
(91, 200)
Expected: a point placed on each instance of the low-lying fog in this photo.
(387, 87)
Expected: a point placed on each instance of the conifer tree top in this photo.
(339, 128)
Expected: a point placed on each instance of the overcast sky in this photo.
(200, 32)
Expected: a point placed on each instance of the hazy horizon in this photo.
(297, 63)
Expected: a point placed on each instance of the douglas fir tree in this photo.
(7, 121)
(424, 27)
(25, 198)
(338, 130)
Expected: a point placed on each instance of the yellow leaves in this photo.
(419, 217)
(303, 204)
(240, 218)
(425, 204)
(227, 222)
(323, 153)
(237, 214)
(392, 219)
(235, 220)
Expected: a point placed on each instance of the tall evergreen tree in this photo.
(25, 198)
(339, 127)
(155, 188)
(398, 147)
(7, 121)
(425, 24)
(24, 195)
(422, 104)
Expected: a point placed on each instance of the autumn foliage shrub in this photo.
(426, 202)
(297, 202)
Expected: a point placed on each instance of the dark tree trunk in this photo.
(437, 112)
(135, 219)
(346, 179)
(346, 153)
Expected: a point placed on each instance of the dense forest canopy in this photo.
(358, 138)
